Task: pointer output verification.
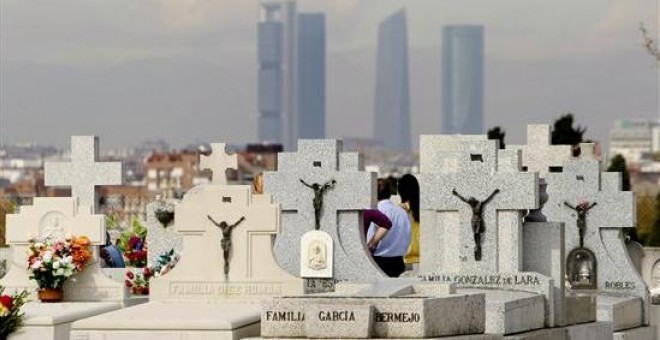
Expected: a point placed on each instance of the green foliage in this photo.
(137, 229)
(645, 216)
(497, 133)
(166, 258)
(618, 164)
(563, 131)
(654, 239)
(111, 222)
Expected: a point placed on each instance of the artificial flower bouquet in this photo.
(11, 317)
(54, 261)
(138, 282)
(133, 244)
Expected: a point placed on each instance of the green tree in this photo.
(654, 239)
(563, 131)
(497, 133)
(645, 216)
(618, 164)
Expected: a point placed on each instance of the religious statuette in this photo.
(51, 227)
(477, 218)
(226, 238)
(319, 190)
(581, 209)
(581, 269)
(316, 255)
(316, 261)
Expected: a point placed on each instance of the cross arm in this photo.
(455, 193)
(495, 192)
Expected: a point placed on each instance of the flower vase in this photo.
(49, 295)
(164, 217)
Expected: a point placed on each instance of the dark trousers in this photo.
(392, 266)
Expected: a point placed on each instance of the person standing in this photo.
(389, 252)
(408, 189)
(382, 223)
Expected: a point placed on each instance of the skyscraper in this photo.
(277, 71)
(311, 75)
(392, 98)
(463, 79)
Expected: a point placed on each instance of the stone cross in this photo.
(218, 162)
(539, 155)
(318, 161)
(61, 216)
(200, 274)
(84, 173)
(582, 181)
(470, 165)
(587, 151)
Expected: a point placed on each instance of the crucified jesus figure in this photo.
(225, 243)
(477, 218)
(319, 190)
(581, 209)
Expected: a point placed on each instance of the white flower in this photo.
(56, 264)
(48, 256)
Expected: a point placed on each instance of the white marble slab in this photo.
(170, 321)
(51, 321)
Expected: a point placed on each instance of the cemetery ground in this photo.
(525, 242)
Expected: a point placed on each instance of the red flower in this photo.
(7, 301)
(129, 284)
(130, 275)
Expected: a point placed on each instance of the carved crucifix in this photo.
(319, 191)
(225, 243)
(581, 209)
(477, 218)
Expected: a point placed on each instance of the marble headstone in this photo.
(321, 162)
(600, 261)
(60, 217)
(227, 236)
(470, 167)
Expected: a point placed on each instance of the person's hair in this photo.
(384, 191)
(408, 189)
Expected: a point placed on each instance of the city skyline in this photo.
(462, 79)
(311, 75)
(392, 98)
(277, 54)
(187, 71)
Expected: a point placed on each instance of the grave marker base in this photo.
(51, 321)
(169, 321)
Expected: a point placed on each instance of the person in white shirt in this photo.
(389, 252)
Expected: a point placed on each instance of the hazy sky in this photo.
(185, 70)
